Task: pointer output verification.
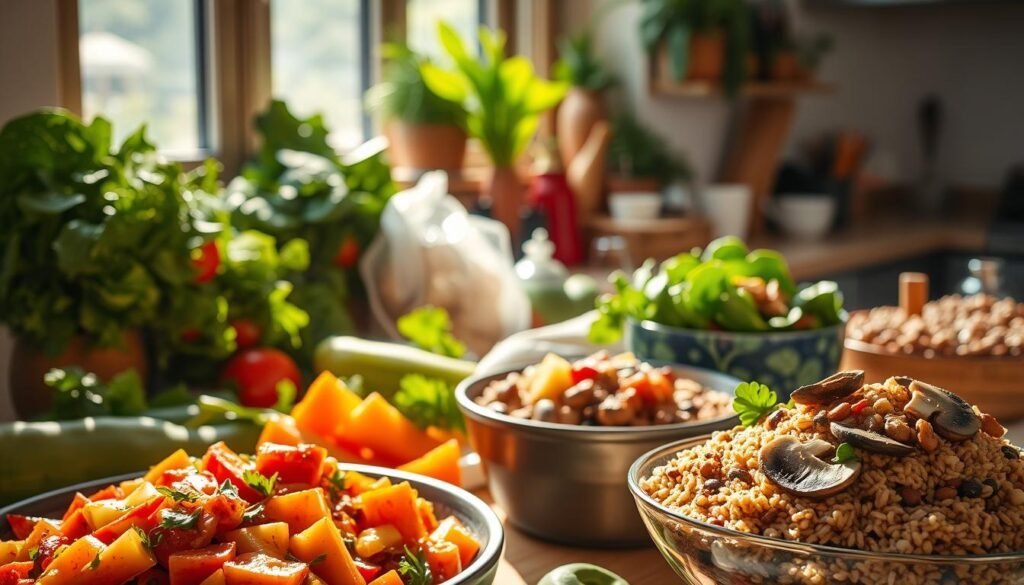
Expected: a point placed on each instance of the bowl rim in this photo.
(479, 413)
(654, 326)
(644, 499)
(858, 345)
(488, 557)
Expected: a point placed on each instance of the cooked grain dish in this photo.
(929, 474)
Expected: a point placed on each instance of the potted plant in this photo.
(639, 160)
(93, 236)
(424, 131)
(705, 40)
(582, 106)
(503, 99)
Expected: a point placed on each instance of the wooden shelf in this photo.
(758, 89)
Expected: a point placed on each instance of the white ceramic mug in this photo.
(728, 207)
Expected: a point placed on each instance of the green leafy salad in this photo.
(723, 287)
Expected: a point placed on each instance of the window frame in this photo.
(235, 64)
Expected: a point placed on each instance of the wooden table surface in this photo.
(527, 559)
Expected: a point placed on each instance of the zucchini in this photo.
(581, 574)
(382, 365)
(40, 456)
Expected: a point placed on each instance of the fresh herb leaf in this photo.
(259, 482)
(286, 393)
(431, 329)
(337, 479)
(94, 563)
(753, 401)
(177, 496)
(844, 453)
(171, 519)
(252, 512)
(143, 537)
(428, 402)
(33, 553)
(414, 567)
(318, 559)
(228, 489)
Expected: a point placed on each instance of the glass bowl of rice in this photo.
(816, 492)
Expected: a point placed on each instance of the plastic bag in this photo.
(430, 251)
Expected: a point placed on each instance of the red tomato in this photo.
(348, 253)
(206, 260)
(247, 333)
(369, 571)
(302, 464)
(225, 464)
(256, 373)
(580, 373)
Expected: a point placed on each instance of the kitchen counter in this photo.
(875, 244)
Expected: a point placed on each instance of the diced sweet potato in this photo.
(217, 578)
(451, 530)
(257, 569)
(177, 460)
(326, 407)
(441, 462)
(192, 567)
(99, 513)
(298, 509)
(280, 430)
(389, 578)
(382, 428)
(9, 550)
(270, 539)
(43, 527)
(395, 505)
(324, 538)
(125, 558)
(143, 516)
(66, 567)
(443, 558)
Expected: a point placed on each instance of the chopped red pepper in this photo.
(143, 516)
(580, 373)
(369, 571)
(860, 406)
(225, 464)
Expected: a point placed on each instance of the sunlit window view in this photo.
(317, 63)
(422, 17)
(139, 66)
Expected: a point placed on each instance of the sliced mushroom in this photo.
(869, 440)
(951, 416)
(798, 468)
(836, 386)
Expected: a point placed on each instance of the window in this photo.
(465, 16)
(141, 64)
(319, 63)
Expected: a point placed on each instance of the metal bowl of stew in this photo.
(567, 483)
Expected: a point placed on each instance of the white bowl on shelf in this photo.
(635, 205)
(804, 216)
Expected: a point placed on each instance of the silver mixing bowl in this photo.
(567, 483)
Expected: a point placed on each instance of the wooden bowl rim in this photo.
(858, 346)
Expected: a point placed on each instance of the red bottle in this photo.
(551, 196)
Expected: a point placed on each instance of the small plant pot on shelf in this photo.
(426, 146)
(704, 59)
(785, 66)
(31, 396)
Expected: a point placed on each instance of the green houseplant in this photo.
(705, 40)
(503, 99)
(640, 160)
(424, 131)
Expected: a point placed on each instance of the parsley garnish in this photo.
(318, 559)
(414, 566)
(252, 512)
(33, 553)
(337, 479)
(844, 453)
(753, 401)
(143, 537)
(177, 496)
(228, 489)
(428, 402)
(95, 563)
(179, 519)
(259, 482)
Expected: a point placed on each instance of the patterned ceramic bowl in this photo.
(784, 361)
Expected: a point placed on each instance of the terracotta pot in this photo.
(707, 56)
(29, 364)
(586, 171)
(578, 113)
(786, 66)
(505, 194)
(425, 146)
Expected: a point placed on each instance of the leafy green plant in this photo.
(430, 328)
(637, 151)
(722, 287)
(299, 189)
(428, 402)
(753, 401)
(404, 95)
(579, 66)
(673, 22)
(502, 96)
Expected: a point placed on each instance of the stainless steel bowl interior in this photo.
(478, 517)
